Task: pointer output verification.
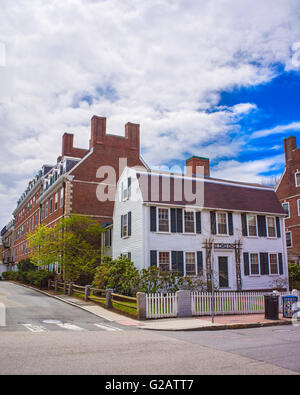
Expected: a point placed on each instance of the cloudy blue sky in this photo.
(213, 78)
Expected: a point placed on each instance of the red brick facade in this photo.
(288, 192)
(64, 191)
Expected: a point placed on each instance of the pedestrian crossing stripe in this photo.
(34, 328)
(72, 327)
(108, 327)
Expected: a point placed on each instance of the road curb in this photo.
(222, 327)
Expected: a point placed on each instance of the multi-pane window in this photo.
(297, 179)
(107, 238)
(190, 264)
(286, 208)
(189, 221)
(273, 264)
(163, 220)
(51, 206)
(62, 192)
(271, 227)
(252, 226)
(56, 202)
(164, 260)
(125, 225)
(254, 266)
(222, 223)
(288, 237)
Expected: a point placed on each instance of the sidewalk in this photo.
(172, 324)
(176, 324)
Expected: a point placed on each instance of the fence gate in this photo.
(161, 305)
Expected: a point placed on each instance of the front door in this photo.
(223, 272)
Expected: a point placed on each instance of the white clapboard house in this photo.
(196, 224)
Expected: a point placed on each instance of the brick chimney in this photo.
(67, 144)
(197, 161)
(98, 132)
(132, 134)
(290, 145)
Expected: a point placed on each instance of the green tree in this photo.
(74, 243)
(25, 265)
(120, 274)
(294, 275)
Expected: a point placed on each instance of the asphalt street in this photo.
(46, 336)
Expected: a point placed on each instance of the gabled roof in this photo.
(216, 194)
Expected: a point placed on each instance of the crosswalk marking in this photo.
(34, 328)
(72, 327)
(108, 327)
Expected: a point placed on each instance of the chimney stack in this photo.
(197, 161)
(290, 145)
(132, 134)
(67, 144)
(98, 132)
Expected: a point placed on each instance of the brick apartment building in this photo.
(7, 248)
(288, 192)
(70, 186)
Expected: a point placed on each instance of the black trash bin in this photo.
(271, 307)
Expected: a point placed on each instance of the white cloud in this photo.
(165, 61)
(280, 129)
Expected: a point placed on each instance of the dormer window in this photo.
(297, 179)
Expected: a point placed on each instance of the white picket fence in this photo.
(161, 305)
(231, 302)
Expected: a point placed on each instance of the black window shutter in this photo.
(129, 223)
(179, 220)
(129, 255)
(230, 223)
(199, 263)
(129, 186)
(153, 219)
(213, 224)
(280, 263)
(121, 225)
(198, 221)
(153, 258)
(246, 264)
(278, 230)
(173, 220)
(180, 262)
(174, 261)
(244, 225)
(264, 263)
(262, 227)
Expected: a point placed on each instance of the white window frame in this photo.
(271, 237)
(277, 264)
(194, 217)
(288, 231)
(124, 225)
(298, 206)
(195, 255)
(297, 185)
(217, 223)
(288, 203)
(256, 226)
(258, 264)
(157, 219)
(56, 202)
(62, 198)
(158, 261)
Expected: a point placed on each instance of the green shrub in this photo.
(25, 265)
(10, 276)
